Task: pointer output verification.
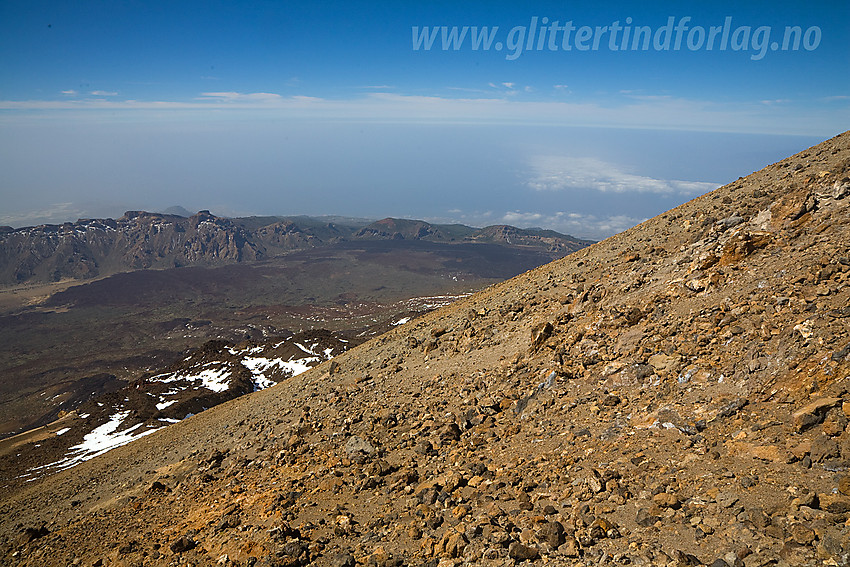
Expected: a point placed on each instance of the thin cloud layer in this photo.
(595, 227)
(576, 224)
(622, 111)
(559, 173)
(54, 213)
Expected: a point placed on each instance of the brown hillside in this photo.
(674, 395)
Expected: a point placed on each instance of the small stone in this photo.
(570, 548)
(802, 534)
(683, 559)
(808, 499)
(644, 518)
(552, 533)
(813, 413)
(666, 500)
(357, 445)
(183, 543)
(520, 552)
(726, 499)
(540, 333)
(450, 434)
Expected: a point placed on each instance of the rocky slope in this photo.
(142, 240)
(207, 376)
(674, 395)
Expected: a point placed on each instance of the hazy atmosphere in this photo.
(357, 109)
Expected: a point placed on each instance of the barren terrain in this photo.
(674, 395)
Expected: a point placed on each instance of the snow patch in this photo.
(102, 439)
(211, 379)
(161, 406)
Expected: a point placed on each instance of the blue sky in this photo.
(327, 107)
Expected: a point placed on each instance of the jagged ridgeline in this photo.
(674, 395)
(141, 240)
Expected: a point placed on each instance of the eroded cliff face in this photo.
(675, 395)
(137, 240)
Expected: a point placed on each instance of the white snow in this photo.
(259, 366)
(401, 321)
(102, 439)
(298, 365)
(211, 379)
(305, 349)
(63, 431)
(163, 405)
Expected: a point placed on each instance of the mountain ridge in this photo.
(92, 248)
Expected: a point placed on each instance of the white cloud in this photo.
(54, 213)
(69, 92)
(575, 224)
(559, 173)
(499, 107)
(103, 93)
(230, 96)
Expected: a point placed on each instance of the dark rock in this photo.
(552, 533)
(157, 486)
(32, 534)
(227, 522)
(183, 543)
(520, 552)
(824, 447)
(813, 413)
(731, 408)
(644, 518)
(683, 559)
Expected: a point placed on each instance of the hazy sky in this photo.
(584, 119)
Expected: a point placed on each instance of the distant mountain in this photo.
(177, 210)
(512, 236)
(141, 240)
(138, 240)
